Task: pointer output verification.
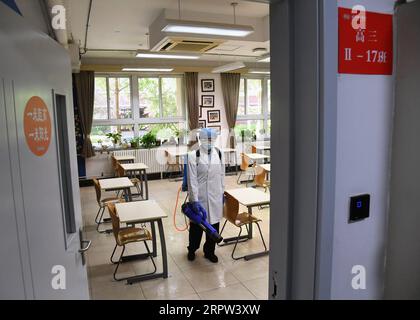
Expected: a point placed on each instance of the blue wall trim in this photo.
(12, 4)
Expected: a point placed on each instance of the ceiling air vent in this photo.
(186, 45)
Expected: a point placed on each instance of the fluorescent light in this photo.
(166, 56)
(148, 69)
(264, 58)
(217, 29)
(229, 67)
(259, 71)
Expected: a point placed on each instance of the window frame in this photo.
(136, 120)
(265, 114)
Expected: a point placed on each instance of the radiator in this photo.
(153, 158)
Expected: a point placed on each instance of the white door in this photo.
(39, 229)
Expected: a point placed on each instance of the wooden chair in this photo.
(246, 167)
(260, 179)
(231, 214)
(135, 181)
(102, 203)
(124, 236)
(254, 149)
(172, 165)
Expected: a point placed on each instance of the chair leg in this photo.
(223, 228)
(262, 238)
(97, 215)
(112, 255)
(118, 264)
(151, 258)
(236, 244)
(238, 181)
(99, 222)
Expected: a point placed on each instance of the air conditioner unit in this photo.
(176, 44)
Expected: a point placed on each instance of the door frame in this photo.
(304, 75)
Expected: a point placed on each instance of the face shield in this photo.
(208, 138)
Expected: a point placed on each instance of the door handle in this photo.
(84, 246)
(87, 247)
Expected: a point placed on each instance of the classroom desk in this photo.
(118, 184)
(231, 151)
(256, 156)
(267, 168)
(125, 159)
(138, 170)
(250, 198)
(148, 211)
(262, 148)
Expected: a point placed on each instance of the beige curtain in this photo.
(85, 89)
(191, 83)
(230, 87)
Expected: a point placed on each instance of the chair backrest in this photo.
(244, 162)
(254, 149)
(114, 165)
(259, 178)
(115, 221)
(230, 208)
(120, 170)
(97, 190)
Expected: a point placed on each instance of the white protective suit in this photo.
(206, 182)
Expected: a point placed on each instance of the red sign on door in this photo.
(365, 51)
(37, 126)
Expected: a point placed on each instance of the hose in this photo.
(175, 211)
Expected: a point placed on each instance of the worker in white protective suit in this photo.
(206, 185)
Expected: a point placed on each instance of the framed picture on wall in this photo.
(213, 116)
(201, 112)
(218, 129)
(202, 124)
(207, 85)
(207, 101)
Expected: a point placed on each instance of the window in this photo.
(99, 138)
(161, 97)
(254, 97)
(159, 107)
(254, 108)
(100, 110)
(241, 107)
(269, 96)
(172, 96)
(250, 128)
(119, 98)
(149, 97)
(112, 98)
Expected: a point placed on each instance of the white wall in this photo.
(32, 12)
(218, 104)
(364, 117)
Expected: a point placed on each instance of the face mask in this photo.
(207, 144)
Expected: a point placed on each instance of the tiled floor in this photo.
(229, 279)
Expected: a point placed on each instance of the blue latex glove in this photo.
(198, 209)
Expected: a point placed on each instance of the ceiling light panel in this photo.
(148, 69)
(216, 29)
(151, 55)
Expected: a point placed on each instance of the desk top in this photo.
(124, 158)
(266, 167)
(139, 211)
(262, 147)
(115, 183)
(256, 156)
(134, 166)
(250, 197)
